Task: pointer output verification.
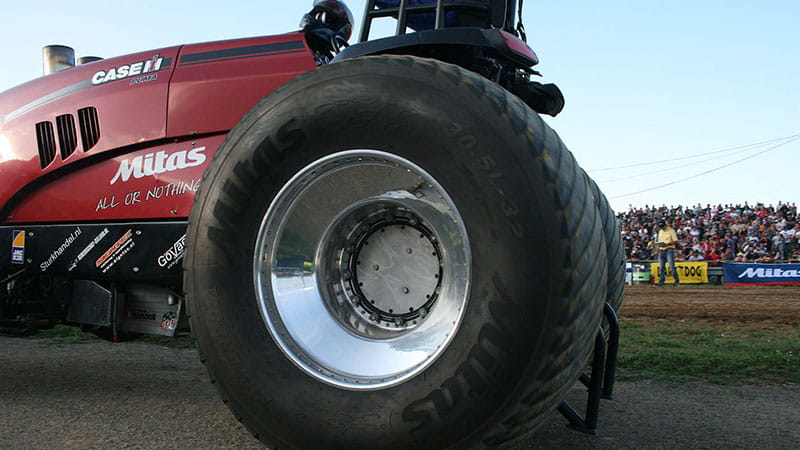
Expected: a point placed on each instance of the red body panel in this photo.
(128, 114)
(141, 101)
(517, 45)
(157, 182)
(214, 84)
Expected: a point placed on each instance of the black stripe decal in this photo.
(243, 57)
(243, 52)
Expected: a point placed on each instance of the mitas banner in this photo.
(749, 274)
(689, 272)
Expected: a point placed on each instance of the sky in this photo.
(710, 87)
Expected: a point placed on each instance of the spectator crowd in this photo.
(738, 233)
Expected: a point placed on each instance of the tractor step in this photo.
(600, 381)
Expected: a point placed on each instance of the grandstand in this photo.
(734, 233)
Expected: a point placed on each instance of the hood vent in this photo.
(47, 143)
(90, 127)
(67, 139)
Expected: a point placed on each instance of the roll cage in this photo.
(479, 35)
(498, 14)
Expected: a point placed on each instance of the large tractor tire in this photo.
(393, 252)
(616, 253)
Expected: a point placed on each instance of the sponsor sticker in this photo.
(157, 163)
(18, 247)
(174, 254)
(141, 315)
(87, 249)
(61, 249)
(169, 320)
(116, 252)
(160, 191)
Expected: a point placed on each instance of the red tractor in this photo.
(376, 245)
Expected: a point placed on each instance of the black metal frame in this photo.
(600, 382)
(499, 13)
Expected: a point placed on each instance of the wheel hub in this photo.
(395, 272)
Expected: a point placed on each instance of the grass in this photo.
(179, 341)
(726, 354)
(66, 334)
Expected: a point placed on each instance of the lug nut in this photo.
(405, 290)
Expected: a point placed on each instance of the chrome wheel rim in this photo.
(362, 269)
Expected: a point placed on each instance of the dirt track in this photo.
(133, 395)
(762, 306)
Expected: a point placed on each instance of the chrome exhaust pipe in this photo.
(57, 58)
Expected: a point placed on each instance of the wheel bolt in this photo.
(409, 251)
(347, 275)
(405, 290)
(376, 267)
(374, 317)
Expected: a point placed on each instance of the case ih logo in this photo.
(127, 70)
(159, 162)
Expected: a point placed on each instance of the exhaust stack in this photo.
(57, 58)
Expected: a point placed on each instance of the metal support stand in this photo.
(601, 380)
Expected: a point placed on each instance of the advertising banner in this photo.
(628, 274)
(740, 274)
(689, 272)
